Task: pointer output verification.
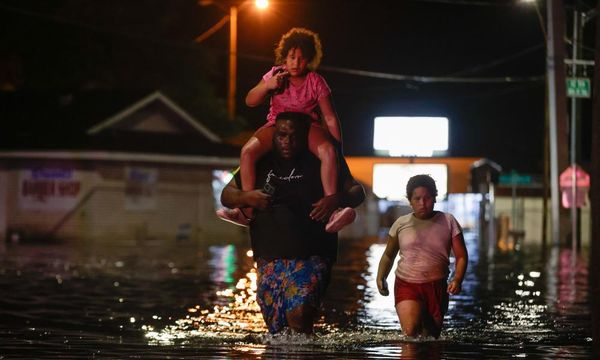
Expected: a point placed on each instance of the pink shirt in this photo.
(303, 98)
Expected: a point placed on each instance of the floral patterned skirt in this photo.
(285, 284)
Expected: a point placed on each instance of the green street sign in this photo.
(579, 87)
(515, 179)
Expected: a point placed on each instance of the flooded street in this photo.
(193, 301)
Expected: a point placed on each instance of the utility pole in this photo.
(231, 88)
(557, 112)
(573, 130)
(595, 200)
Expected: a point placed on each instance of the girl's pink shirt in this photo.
(303, 98)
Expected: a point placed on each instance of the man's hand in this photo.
(323, 208)
(257, 199)
(382, 287)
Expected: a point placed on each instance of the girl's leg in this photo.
(251, 151)
(258, 145)
(320, 145)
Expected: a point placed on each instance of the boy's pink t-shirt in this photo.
(424, 245)
(304, 98)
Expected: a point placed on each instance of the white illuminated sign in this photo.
(389, 180)
(410, 135)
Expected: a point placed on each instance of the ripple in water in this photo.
(240, 319)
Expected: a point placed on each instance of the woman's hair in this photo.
(305, 40)
(425, 181)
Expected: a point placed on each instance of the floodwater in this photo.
(194, 301)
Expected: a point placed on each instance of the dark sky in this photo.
(434, 38)
(502, 121)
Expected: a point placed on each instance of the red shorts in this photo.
(432, 295)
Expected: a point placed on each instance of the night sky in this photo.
(78, 45)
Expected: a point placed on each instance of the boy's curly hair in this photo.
(305, 40)
(421, 180)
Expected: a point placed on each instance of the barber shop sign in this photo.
(48, 189)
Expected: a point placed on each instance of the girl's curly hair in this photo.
(305, 40)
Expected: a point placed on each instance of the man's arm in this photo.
(233, 197)
(353, 194)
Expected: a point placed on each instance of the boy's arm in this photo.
(461, 259)
(385, 264)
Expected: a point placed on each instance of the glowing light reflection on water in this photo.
(129, 302)
(240, 319)
(236, 320)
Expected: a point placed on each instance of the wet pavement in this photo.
(197, 301)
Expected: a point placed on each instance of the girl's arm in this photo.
(385, 264)
(461, 259)
(258, 94)
(330, 117)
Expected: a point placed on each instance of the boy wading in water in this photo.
(423, 239)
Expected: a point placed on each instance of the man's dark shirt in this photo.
(285, 231)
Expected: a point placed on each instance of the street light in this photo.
(232, 18)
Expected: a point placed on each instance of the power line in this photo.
(433, 79)
(415, 78)
(498, 61)
(469, 2)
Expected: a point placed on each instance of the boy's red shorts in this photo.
(433, 295)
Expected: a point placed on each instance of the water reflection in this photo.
(223, 261)
(380, 310)
(175, 302)
(236, 319)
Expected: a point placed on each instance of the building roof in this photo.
(128, 115)
(104, 121)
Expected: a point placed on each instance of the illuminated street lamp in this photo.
(232, 18)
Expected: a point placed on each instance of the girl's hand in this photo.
(278, 79)
(454, 287)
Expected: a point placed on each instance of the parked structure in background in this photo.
(144, 174)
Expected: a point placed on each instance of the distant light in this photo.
(410, 135)
(261, 4)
